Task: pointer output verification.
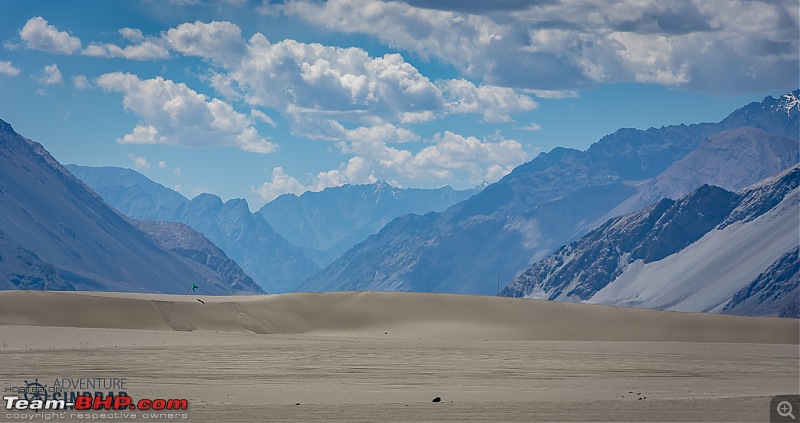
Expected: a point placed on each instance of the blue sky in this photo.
(252, 99)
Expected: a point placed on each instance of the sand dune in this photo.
(373, 356)
(396, 315)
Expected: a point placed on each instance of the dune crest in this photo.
(387, 314)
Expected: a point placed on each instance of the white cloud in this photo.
(281, 183)
(177, 171)
(459, 38)
(37, 34)
(162, 165)
(144, 48)
(562, 45)
(140, 163)
(81, 82)
(8, 69)
(333, 82)
(451, 157)
(330, 129)
(494, 103)
(218, 41)
(355, 171)
(50, 75)
(11, 45)
(147, 50)
(174, 114)
(258, 114)
(533, 126)
(224, 85)
(314, 82)
(481, 159)
(132, 34)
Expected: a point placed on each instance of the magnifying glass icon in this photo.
(784, 409)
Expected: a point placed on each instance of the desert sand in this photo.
(369, 356)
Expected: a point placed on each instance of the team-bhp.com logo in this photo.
(96, 402)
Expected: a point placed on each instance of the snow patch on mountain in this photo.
(705, 275)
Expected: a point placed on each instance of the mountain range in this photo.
(698, 217)
(477, 245)
(325, 224)
(712, 250)
(274, 263)
(57, 234)
(318, 225)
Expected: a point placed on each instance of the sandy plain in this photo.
(370, 356)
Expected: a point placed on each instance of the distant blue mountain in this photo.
(275, 264)
(327, 223)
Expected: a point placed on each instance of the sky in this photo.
(253, 99)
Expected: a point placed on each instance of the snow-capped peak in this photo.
(788, 102)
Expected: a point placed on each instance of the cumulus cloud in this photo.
(132, 34)
(345, 83)
(81, 82)
(481, 159)
(460, 38)
(144, 48)
(8, 69)
(330, 129)
(218, 41)
(281, 183)
(37, 34)
(450, 157)
(360, 102)
(147, 50)
(140, 163)
(50, 75)
(162, 165)
(174, 114)
(319, 82)
(563, 45)
(494, 103)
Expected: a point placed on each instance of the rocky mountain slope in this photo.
(57, 234)
(188, 243)
(775, 292)
(696, 253)
(731, 159)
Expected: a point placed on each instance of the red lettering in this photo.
(83, 402)
(122, 402)
(101, 403)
